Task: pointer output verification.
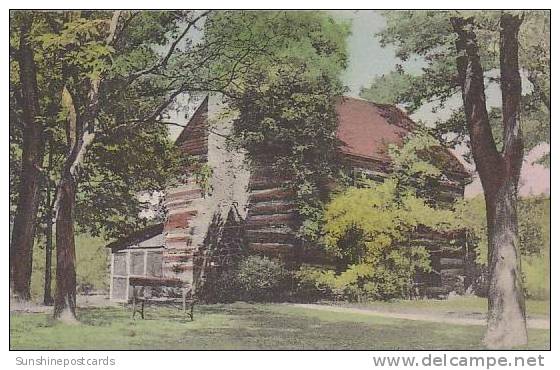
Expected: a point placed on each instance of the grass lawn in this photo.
(243, 326)
(459, 305)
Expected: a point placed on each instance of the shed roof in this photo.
(148, 237)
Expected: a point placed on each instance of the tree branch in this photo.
(543, 96)
(511, 93)
(163, 62)
(488, 160)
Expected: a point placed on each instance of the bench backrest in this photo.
(157, 282)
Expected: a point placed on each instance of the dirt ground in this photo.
(455, 318)
(82, 301)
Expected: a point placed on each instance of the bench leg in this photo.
(142, 312)
(133, 302)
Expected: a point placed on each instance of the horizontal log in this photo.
(178, 238)
(271, 235)
(179, 245)
(195, 145)
(266, 184)
(197, 136)
(452, 262)
(177, 258)
(454, 272)
(269, 195)
(183, 195)
(179, 220)
(196, 152)
(154, 281)
(281, 248)
(265, 171)
(266, 208)
(284, 219)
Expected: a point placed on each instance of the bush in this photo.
(369, 229)
(253, 278)
(536, 276)
(313, 283)
(534, 242)
(220, 286)
(262, 279)
(389, 276)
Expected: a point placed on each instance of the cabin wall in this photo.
(252, 199)
(196, 218)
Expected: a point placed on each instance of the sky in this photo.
(368, 59)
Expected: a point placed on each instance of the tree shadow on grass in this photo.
(244, 326)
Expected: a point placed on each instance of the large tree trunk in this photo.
(506, 304)
(499, 175)
(65, 298)
(23, 233)
(80, 133)
(78, 141)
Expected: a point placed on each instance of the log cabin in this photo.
(244, 208)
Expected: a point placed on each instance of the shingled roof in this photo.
(148, 237)
(367, 129)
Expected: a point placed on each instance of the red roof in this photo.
(366, 130)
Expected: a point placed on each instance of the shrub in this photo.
(389, 276)
(262, 279)
(220, 286)
(536, 276)
(534, 241)
(369, 230)
(314, 283)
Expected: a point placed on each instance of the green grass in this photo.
(243, 326)
(459, 305)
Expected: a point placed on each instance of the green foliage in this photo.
(202, 176)
(426, 36)
(285, 98)
(131, 152)
(536, 275)
(533, 216)
(92, 261)
(116, 169)
(534, 238)
(220, 286)
(370, 228)
(388, 89)
(252, 278)
(261, 279)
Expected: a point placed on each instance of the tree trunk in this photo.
(80, 133)
(506, 304)
(499, 175)
(23, 234)
(47, 295)
(65, 298)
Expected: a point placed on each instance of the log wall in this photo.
(184, 203)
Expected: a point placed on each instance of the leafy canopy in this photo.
(428, 38)
(284, 98)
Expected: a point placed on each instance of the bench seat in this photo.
(139, 284)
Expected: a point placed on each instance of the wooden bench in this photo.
(142, 296)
